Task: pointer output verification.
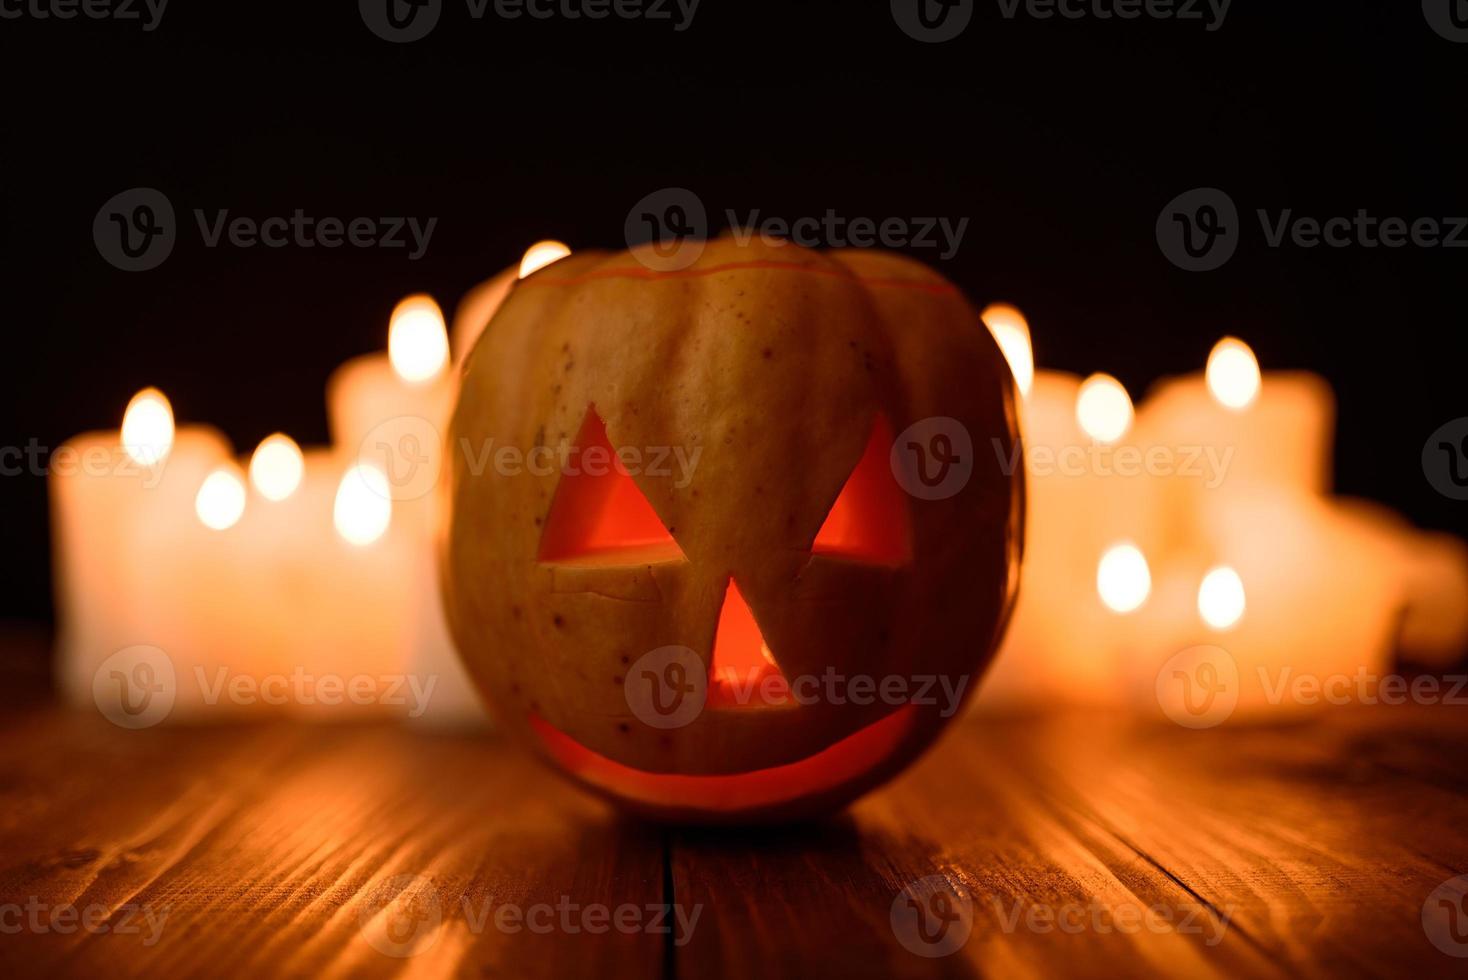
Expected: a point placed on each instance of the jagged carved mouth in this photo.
(838, 763)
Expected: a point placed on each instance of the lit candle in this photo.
(1234, 430)
(1288, 595)
(1086, 490)
(389, 415)
(390, 408)
(325, 594)
(481, 303)
(125, 531)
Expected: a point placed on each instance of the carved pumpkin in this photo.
(782, 548)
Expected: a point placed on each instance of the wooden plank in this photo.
(1098, 847)
(313, 851)
(297, 850)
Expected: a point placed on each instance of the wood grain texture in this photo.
(1099, 847)
(303, 851)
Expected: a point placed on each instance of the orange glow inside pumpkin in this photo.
(847, 759)
(741, 660)
(868, 521)
(599, 512)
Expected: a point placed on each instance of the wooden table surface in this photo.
(1072, 845)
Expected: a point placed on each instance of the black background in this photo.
(1061, 141)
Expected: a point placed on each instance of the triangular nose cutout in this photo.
(741, 661)
(598, 512)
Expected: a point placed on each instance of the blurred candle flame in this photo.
(277, 466)
(542, 254)
(1012, 333)
(417, 339)
(1123, 579)
(1233, 374)
(1103, 408)
(1221, 599)
(363, 507)
(147, 427)
(220, 502)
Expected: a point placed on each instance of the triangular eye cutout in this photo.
(869, 520)
(598, 513)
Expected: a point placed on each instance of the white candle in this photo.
(133, 564)
(480, 304)
(1287, 594)
(389, 412)
(1233, 428)
(1086, 491)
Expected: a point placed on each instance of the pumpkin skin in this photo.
(781, 366)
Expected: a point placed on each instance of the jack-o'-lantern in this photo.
(732, 541)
